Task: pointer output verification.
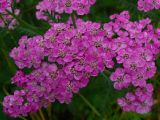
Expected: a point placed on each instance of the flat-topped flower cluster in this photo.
(54, 8)
(63, 60)
(7, 20)
(148, 5)
(138, 45)
(57, 7)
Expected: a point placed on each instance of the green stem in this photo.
(5, 91)
(23, 23)
(32, 117)
(5, 55)
(73, 20)
(11, 66)
(23, 118)
(49, 111)
(41, 114)
(105, 76)
(1, 17)
(90, 105)
(37, 116)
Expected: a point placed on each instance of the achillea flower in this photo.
(29, 53)
(57, 7)
(136, 45)
(148, 5)
(65, 58)
(121, 79)
(140, 101)
(12, 104)
(6, 20)
(62, 62)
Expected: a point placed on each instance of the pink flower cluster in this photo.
(139, 101)
(63, 60)
(56, 7)
(65, 57)
(148, 5)
(3, 5)
(137, 45)
(6, 20)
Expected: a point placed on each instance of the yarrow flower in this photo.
(148, 5)
(7, 20)
(139, 101)
(76, 54)
(3, 5)
(63, 60)
(46, 8)
(29, 53)
(136, 45)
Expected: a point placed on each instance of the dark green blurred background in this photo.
(100, 93)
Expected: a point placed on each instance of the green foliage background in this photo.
(98, 100)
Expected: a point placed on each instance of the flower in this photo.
(140, 101)
(148, 5)
(29, 53)
(63, 60)
(120, 78)
(46, 8)
(6, 19)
